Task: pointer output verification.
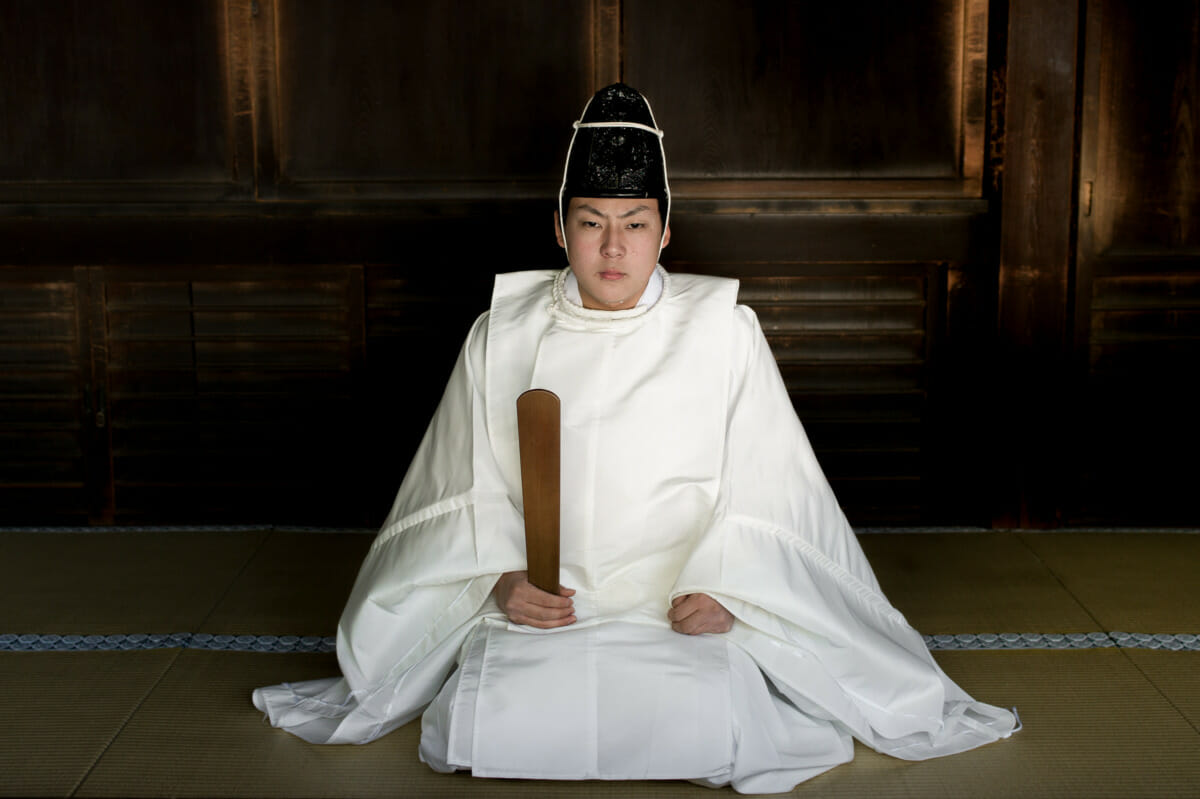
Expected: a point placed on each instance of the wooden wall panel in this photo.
(1137, 329)
(233, 392)
(852, 343)
(855, 308)
(1036, 253)
(955, 357)
(115, 92)
(1146, 195)
(793, 90)
(44, 394)
(449, 92)
(416, 322)
(1139, 409)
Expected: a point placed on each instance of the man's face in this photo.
(612, 244)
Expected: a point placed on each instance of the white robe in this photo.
(684, 470)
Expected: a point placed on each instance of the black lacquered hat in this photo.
(616, 151)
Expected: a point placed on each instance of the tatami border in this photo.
(34, 642)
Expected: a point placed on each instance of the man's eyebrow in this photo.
(597, 212)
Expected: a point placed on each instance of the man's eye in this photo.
(636, 225)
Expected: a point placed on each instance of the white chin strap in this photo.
(562, 212)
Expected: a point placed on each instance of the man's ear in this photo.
(558, 234)
(666, 239)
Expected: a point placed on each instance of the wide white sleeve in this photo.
(452, 530)
(780, 555)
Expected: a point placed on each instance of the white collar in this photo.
(654, 289)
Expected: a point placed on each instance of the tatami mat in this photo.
(1128, 581)
(1177, 676)
(169, 722)
(61, 710)
(198, 735)
(972, 583)
(1095, 727)
(296, 583)
(120, 582)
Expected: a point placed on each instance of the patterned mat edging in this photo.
(32, 642)
(1122, 640)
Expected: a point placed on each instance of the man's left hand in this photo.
(693, 614)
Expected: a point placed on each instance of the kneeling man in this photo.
(717, 620)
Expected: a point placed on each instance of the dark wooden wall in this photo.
(241, 240)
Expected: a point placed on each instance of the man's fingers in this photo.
(689, 626)
(694, 625)
(525, 603)
(682, 607)
(532, 595)
(541, 624)
(543, 612)
(531, 604)
(695, 614)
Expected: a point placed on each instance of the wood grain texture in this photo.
(854, 342)
(1037, 206)
(236, 50)
(807, 90)
(129, 92)
(44, 441)
(539, 431)
(973, 95)
(821, 152)
(606, 41)
(258, 21)
(456, 92)
(232, 392)
(1137, 287)
(1147, 186)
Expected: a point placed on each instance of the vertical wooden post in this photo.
(92, 315)
(606, 43)
(1031, 413)
(236, 50)
(974, 113)
(254, 49)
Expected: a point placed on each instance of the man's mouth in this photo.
(611, 275)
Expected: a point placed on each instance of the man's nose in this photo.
(613, 246)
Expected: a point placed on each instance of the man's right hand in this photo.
(525, 603)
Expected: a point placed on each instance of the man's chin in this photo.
(611, 302)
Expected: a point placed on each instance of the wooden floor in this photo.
(127, 658)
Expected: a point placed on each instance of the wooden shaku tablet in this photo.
(538, 427)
